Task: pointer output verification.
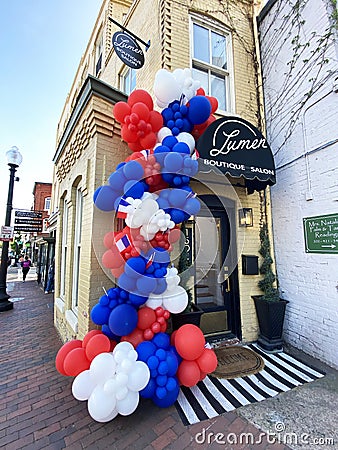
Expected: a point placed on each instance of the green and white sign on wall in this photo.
(321, 234)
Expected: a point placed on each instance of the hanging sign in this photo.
(321, 234)
(6, 233)
(235, 147)
(128, 50)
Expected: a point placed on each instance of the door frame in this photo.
(228, 206)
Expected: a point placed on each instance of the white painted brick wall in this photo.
(309, 281)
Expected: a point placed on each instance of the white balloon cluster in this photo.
(146, 214)
(169, 86)
(187, 138)
(112, 383)
(174, 298)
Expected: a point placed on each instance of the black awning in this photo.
(237, 148)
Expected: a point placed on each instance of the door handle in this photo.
(227, 285)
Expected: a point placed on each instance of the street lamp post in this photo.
(14, 160)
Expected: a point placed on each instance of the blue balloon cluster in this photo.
(117, 312)
(162, 360)
(144, 278)
(179, 203)
(182, 118)
(126, 181)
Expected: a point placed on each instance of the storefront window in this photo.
(77, 249)
(64, 249)
(210, 56)
(128, 81)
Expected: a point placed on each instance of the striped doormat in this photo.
(213, 396)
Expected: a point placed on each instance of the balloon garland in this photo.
(132, 355)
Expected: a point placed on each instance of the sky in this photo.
(41, 44)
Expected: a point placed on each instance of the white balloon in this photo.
(102, 368)
(132, 355)
(110, 386)
(163, 133)
(83, 386)
(176, 301)
(126, 365)
(112, 416)
(101, 405)
(154, 301)
(122, 393)
(121, 379)
(188, 139)
(139, 377)
(128, 405)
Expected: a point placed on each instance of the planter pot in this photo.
(271, 319)
(192, 317)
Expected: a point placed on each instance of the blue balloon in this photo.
(107, 331)
(137, 300)
(135, 267)
(187, 126)
(104, 300)
(161, 286)
(123, 320)
(175, 131)
(177, 198)
(120, 165)
(167, 114)
(173, 162)
(163, 203)
(171, 384)
(161, 354)
(160, 392)
(133, 188)
(126, 282)
(199, 109)
(163, 368)
(161, 380)
(113, 293)
(181, 147)
(161, 340)
(100, 314)
(104, 198)
(184, 110)
(177, 215)
(169, 141)
(192, 206)
(153, 362)
(170, 124)
(149, 390)
(145, 285)
(117, 180)
(172, 364)
(168, 399)
(133, 170)
(145, 349)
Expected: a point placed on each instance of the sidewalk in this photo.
(38, 411)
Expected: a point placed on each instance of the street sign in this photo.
(321, 234)
(33, 214)
(28, 229)
(24, 221)
(6, 234)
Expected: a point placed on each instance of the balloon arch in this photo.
(132, 355)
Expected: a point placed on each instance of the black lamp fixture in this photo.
(14, 159)
(245, 217)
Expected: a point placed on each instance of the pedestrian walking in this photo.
(50, 280)
(26, 265)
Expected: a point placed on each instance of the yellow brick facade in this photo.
(93, 147)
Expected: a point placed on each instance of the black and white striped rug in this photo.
(213, 396)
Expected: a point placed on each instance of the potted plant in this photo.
(192, 313)
(270, 308)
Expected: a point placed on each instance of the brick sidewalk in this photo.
(38, 411)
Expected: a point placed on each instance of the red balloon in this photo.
(109, 239)
(111, 259)
(128, 135)
(214, 103)
(164, 327)
(63, 352)
(172, 338)
(139, 95)
(76, 362)
(203, 375)
(146, 317)
(200, 91)
(96, 345)
(121, 110)
(135, 146)
(189, 342)
(207, 362)
(135, 337)
(159, 311)
(141, 110)
(88, 336)
(117, 272)
(113, 344)
(148, 334)
(174, 235)
(148, 141)
(188, 373)
(155, 120)
(156, 327)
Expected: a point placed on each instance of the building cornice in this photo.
(91, 87)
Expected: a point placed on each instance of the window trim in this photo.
(77, 247)
(47, 199)
(64, 248)
(228, 73)
(122, 79)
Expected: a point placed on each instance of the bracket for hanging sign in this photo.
(146, 44)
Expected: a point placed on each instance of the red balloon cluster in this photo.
(198, 361)
(75, 356)
(198, 130)
(150, 322)
(140, 122)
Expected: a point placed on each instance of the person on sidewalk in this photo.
(50, 280)
(26, 265)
